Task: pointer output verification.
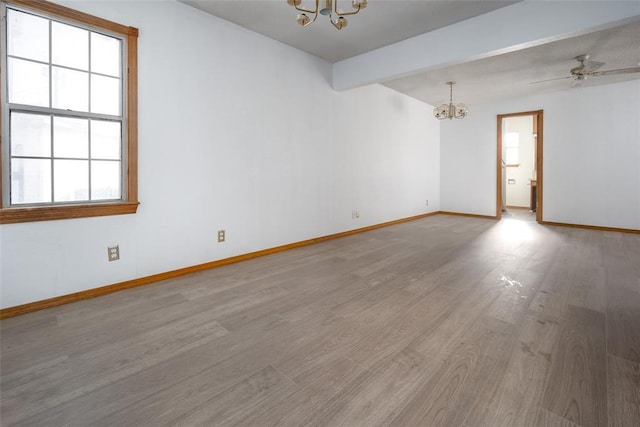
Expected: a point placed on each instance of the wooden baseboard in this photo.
(103, 290)
(467, 215)
(592, 227)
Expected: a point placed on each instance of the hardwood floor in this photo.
(443, 321)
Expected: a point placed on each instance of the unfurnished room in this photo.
(320, 213)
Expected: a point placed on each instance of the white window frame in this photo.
(512, 149)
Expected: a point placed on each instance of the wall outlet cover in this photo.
(113, 252)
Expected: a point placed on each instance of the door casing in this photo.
(538, 128)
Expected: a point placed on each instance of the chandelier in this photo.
(330, 9)
(449, 111)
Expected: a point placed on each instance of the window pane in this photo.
(105, 55)
(28, 83)
(512, 155)
(30, 135)
(30, 181)
(105, 140)
(70, 89)
(105, 95)
(28, 36)
(511, 139)
(69, 46)
(70, 137)
(70, 180)
(105, 180)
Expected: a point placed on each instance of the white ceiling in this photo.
(386, 22)
(381, 23)
(510, 75)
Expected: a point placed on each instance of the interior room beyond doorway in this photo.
(519, 164)
(518, 156)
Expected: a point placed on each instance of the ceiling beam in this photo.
(511, 28)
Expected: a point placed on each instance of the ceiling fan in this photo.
(589, 69)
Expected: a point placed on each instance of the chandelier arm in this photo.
(335, 10)
(348, 13)
(302, 9)
(315, 16)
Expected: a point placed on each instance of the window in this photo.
(511, 148)
(69, 125)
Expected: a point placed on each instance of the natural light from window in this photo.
(512, 147)
(66, 118)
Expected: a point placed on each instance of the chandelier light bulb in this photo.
(441, 112)
(303, 19)
(461, 111)
(359, 4)
(342, 23)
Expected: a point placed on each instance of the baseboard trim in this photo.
(591, 227)
(467, 215)
(116, 287)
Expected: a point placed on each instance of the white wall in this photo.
(386, 157)
(591, 156)
(519, 193)
(236, 132)
(468, 162)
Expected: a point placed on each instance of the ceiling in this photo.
(383, 22)
(386, 22)
(510, 75)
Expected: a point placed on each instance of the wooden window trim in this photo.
(11, 215)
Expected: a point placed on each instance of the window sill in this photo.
(49, 213)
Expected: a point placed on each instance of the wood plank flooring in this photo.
(442, 321)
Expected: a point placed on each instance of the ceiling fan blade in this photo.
(591, 66)
(550, 80)
(620, 71)
(577, 83)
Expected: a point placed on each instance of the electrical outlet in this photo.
(221, 236)
(427, 202)
(357, 213)
(113, 252)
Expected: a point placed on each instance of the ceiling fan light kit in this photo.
(451, 111)
(330, 9)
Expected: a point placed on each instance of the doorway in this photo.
(519, 172)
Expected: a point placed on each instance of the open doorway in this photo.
(519, 163)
